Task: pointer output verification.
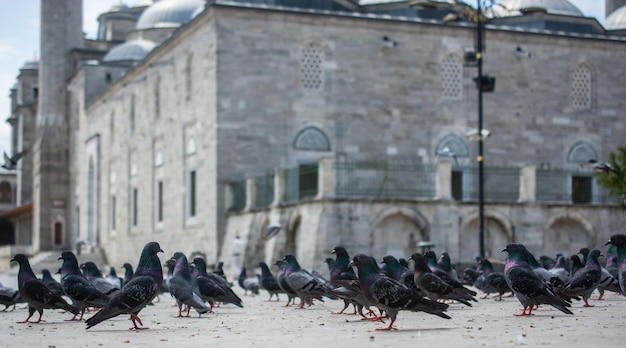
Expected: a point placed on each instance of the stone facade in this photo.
(243, 90)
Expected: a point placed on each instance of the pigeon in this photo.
(434, 287)
(537, 267)
(398, 272)
(619, 240)
(282, 281)
(138, 292)
(80, 290)
(490, 280)
(341, 270)
(547, 262)
(302, 282)
(576, 265)
(93, 274)
(601, 167)
(184, 288)
(51, 283)
(391, 295)
(248, 284)
(529, 288)
(128, 273)
(9, 297)
(470, 274)
(269, 282)
(35, 293)
(586, 280)
(559, 270)
(10, 163)
(446, 264)
(219, 270)
(113, 279)
(213, 288)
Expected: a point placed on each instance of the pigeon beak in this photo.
(607, 243)
(60, 258)
(332, 251)
(503, 250)
(351, 263)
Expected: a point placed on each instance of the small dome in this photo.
(130, 51)
(168, 14)
(616, 20)
(559, 7)
(31, 65)
(119, 8)
(142, 3)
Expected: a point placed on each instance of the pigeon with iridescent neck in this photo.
(80, 290)
(586, 280)
(619, 240)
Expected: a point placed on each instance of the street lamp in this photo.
(484, 83)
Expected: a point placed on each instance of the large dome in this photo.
(616, 20)
(168, 14)
(135, 50)
(559, 7)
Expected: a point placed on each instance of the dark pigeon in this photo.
(128, 273)
(94, 275)
(269, 282)
(529, 288)
(10, 163)
(436, 288)
(431, 260)
(138, 292)
(446, 265)
(399, 272)
(51, 283)
(35, 293)
(391, 295)
(492, 281)
(184, 288)
(213, 288)
(80, 290)
(586, 279)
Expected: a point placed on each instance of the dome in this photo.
(119, 8)
(558, 7)
(30, 65)
(142, 3)
(616, 20)
(168, 14)
(130, 51)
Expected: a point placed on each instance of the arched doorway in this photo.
(496, 237)
(566, 235)
(396, 233)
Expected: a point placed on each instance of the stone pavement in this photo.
(269, 324)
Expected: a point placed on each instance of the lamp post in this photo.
(484, 83)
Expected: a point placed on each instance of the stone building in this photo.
(342, 121)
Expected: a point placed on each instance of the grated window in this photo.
(452, 78)
(580, 80)
(311, 68)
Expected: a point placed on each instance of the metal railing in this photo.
(501, 184)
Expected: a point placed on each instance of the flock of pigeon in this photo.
(431, 285)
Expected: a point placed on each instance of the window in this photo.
(311, 139)
(132, 114)
(457, 185)
(112, 127)
(159, 212)
(113, 207)
(192, 193)
(452, 78)
(5, 192)
(580, 80)
(134, 206)
(157, 99)
(188, 78)
(307, 181)
(58, 233)
(581, 189)
(312, 68)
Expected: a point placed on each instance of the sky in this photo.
(19, 42)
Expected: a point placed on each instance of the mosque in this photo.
(340, 122)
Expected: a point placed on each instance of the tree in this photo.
(614, 178)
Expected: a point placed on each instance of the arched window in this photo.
(452, 77)
(311, 139)
(455, 144)
(581, 153)
(312, 68)
(581, 86)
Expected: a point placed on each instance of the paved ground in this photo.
(269, 324)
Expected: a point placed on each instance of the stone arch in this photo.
(396, 231)
(498, 233)
(311, 139)
(581, 152)
(567, 234)
(255, 246)
(293, 230)
(456, 145)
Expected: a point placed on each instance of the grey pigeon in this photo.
(586, 280)
(184, 287)
(492, 281)
(282, 281)
(269, 282)
(10, 163)
(559, 270)
(213, 288)
(113, 279)
(35, 293)
(619, 240)
(436, 288)
(391, 295)
(610, 277)
(431, 260)
(529, 288)
(80, 290)
(128, 273)
(9, 297)
(51, 283)
(302, 282)
(249, 285)
(138, 292)
(94, 275)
